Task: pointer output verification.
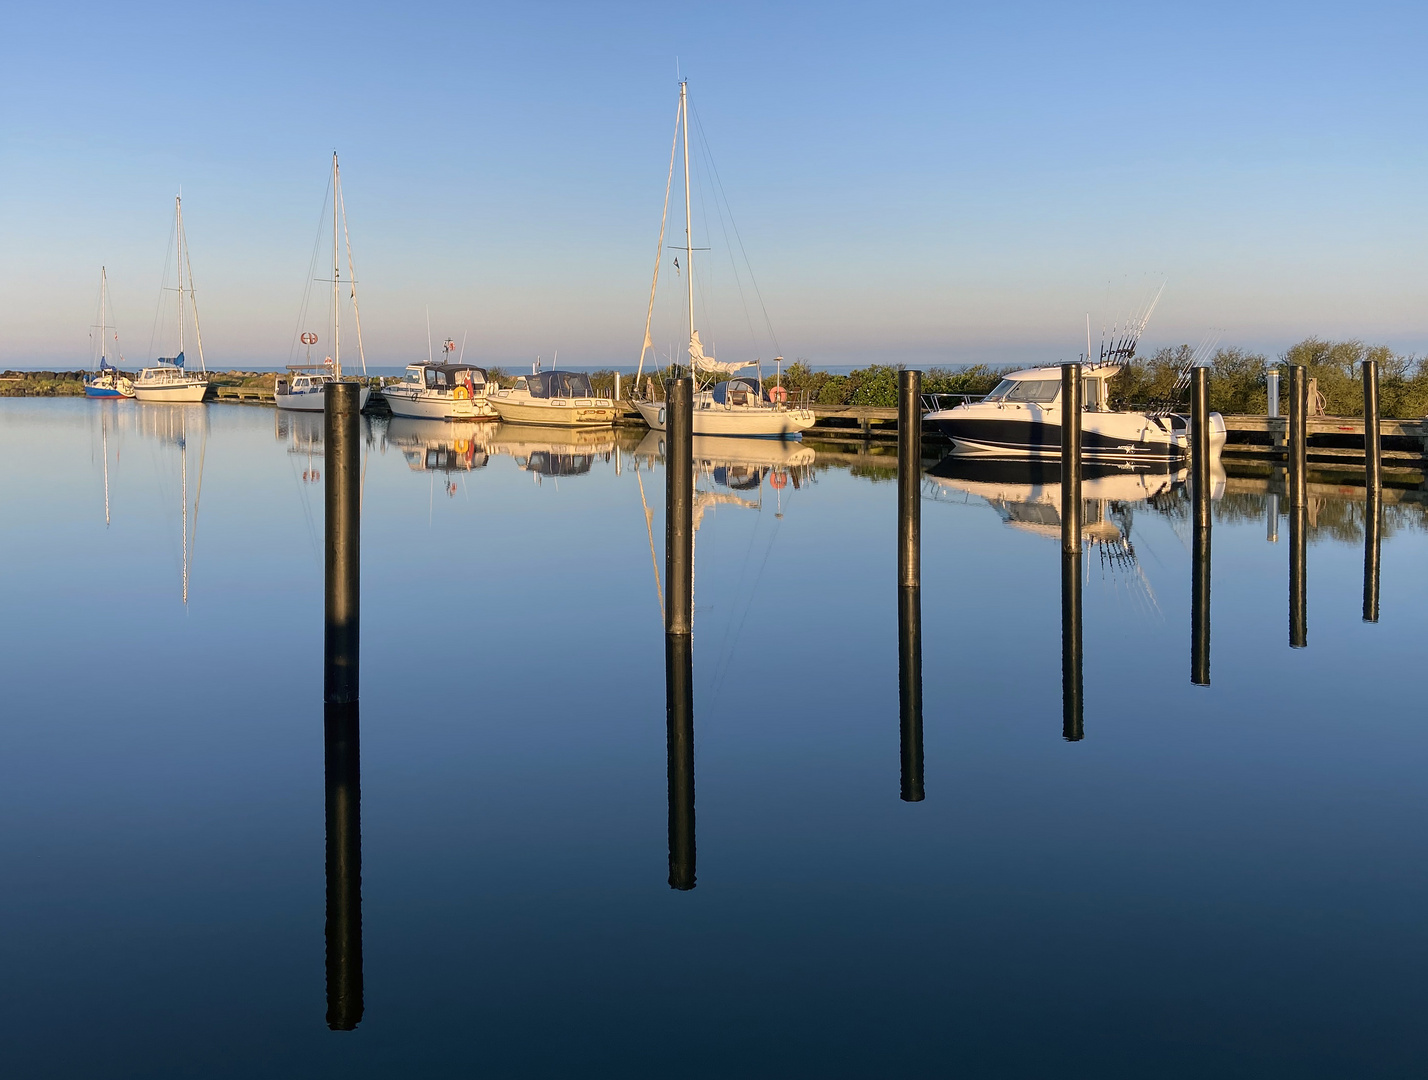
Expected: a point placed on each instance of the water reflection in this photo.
(1373, 547)
(343, 773)
(679, 748)
(909, 680)
(439, 445)
(553, 452)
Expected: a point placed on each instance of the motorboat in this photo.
(1021, 418)
(303, 388)
(723, 403)
(306, 392)
(169, 380)
(736, 407)
(554, 399)
(107, 380)
(439, 445)
(441, 392)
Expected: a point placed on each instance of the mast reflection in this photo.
(342, 769)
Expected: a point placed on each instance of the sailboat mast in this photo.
(178, 248)
(688, 215)
(103, 296)
(336, 267)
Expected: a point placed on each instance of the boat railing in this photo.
(937, 402)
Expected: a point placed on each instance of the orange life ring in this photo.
(461, 393)
(779, 394)
(778, 478)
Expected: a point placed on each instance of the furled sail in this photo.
(708, 365)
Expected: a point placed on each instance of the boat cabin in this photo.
(737, 392)
(556, 384)
(1042, 386)
(447, 377)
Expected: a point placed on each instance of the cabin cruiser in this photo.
(1021, 418)
(168, 381)
(303, 389)
(439, 445)
(554, 398)
(441, 392)
(738, 406)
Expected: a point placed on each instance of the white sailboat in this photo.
(303, 388)
(169, 379)
(724, 403)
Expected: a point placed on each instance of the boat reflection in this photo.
(740, 464)
(439, 445)
(552, 451)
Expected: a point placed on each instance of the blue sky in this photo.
(913, 183)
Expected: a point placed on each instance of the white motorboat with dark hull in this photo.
(1021, 418)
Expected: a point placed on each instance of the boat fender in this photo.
(778, 394)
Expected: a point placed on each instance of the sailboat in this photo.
(724, 403)
(303, 388)
(107, 381)
(169, 379)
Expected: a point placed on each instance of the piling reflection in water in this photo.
(1298, 602)
(1373, 543)
(1071, 687)
(679, 736)
(909, 675)
(1202, 519)
(342, 768)
(343, 543)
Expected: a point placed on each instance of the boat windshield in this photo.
(1039, 390)
(559, 384)
(1003, 388)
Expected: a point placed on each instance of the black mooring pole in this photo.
(1373, 435)
(1373, 490)
(679, 506)
(1200, 561)
(1072, 703)
(1298, 435)
(343, 542)
(341, 655)
(909, 580)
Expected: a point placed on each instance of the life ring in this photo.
(461, 393)
(778, 394)
(778, 478)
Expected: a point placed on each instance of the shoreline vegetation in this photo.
(1237, 380)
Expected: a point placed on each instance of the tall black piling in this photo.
(341, 640)
(1200, 549)
(1373, 435)
(1298, 506)
(1072, 702)
(909, 579)
(342, 768)
(679, 506)
(679, 627)
(679, 745)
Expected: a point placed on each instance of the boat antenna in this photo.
(1088, 337)
(462, 357)
(428, 334)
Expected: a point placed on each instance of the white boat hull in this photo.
(315, 402)
(556, 412)
(1018, 431)
(415, 408)
(179, 393)
(711, 418)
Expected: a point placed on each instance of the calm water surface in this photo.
(1221, 881)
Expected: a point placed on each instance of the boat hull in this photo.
(105, 392)
(1105, 437)
(438, 408)
(315, 402)
(736, 422)
(178, 393)
(554, 412)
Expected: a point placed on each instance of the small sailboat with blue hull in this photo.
(107, 381)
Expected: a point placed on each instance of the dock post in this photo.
(1200, 553)
(1373, 435)
(1071, 457)
(1373, 533)
(909, 580)
(343, 527)
(1271, 393)
(909, 678)
(343, 804)
(679, 506)
(1298, 435)
(679, 746)
(617, 388)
